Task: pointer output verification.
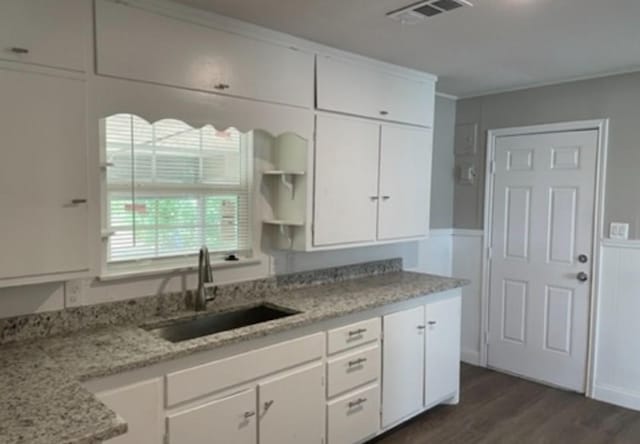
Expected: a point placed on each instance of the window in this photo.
(171, 188)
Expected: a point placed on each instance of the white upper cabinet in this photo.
(136, 44)
(45, 32)
(346, 180)
(405, 182)
(43, 176)
(353, 88)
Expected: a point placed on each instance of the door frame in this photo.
(600, 125)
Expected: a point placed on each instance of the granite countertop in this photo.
(44, 402)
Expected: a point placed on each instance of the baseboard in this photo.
(470, 357)
(617, 395)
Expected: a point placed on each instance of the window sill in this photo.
(173, 269)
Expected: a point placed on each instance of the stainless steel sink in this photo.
(219, 322)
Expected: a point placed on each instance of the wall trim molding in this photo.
(447, 96)
(460, 232)
(617, 243)
(617, 395)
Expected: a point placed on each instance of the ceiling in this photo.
(494, 46)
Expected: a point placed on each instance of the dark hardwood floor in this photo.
(497, 408)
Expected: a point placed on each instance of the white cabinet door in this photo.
(42, 171)
(405, 182)
(227, 420)
(291, 408)
(137, 44)
(346, 180)
(141, 406)
(442, 350)
(45, 32)
(402, 365)
(353, 88)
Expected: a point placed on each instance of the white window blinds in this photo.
(172, 188)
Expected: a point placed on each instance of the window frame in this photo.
(179, 262)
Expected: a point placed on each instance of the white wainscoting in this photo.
(467, 263)
(617, 357)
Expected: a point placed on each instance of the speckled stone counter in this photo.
(43, 401)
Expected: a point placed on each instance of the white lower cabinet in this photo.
(228, 420)
(140, 405)
(342, 386)
(354, 417)
(442, 350)
(402, 365)
(291, 408)
(421, 358)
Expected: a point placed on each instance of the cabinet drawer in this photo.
(353, 370)
(354, 417)
(208, 378)
(45, 32)
(141, 45)
(230, 420)
(354, 88)
(353, 335)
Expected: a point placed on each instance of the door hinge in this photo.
(486, 338)
(322, 381)
(492, 167)
(489, 252)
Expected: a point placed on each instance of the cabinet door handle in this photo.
(421, 327)
(374, 197)
(384, 113)
(357, 362)
(357, 402)
(432, 322)
(18, 50)
(386, 197)
(78, 201)
(248, 415)
(357, 332)
(268, 405)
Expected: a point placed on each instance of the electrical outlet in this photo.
(74, 292)
(619, 231)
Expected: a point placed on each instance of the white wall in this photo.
(617, 358)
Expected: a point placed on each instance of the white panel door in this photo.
(43, 170)
(291, 408)
(227, 420)
(442, 349)
(45, 32)
(542, 223)
(405, 182)
(141, 406)
(402, 365)
(346, 180)
(137, 44)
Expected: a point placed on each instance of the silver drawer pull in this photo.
(78, 201)
(384, 113)
(432, 322)
(357, 402)
(17, 50)
(357, 332)
(222, 86)
(357, 362)
(248, 415)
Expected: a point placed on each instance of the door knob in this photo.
(583, 277)
(583, 258)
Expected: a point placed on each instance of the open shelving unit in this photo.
(285, 179)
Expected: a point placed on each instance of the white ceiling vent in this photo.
(417, 12)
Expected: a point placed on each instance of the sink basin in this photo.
(219, 322)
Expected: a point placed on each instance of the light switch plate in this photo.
(619, 231)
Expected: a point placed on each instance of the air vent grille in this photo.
(420, 11)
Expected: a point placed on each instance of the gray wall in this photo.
(614, 97)
(442, 181)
